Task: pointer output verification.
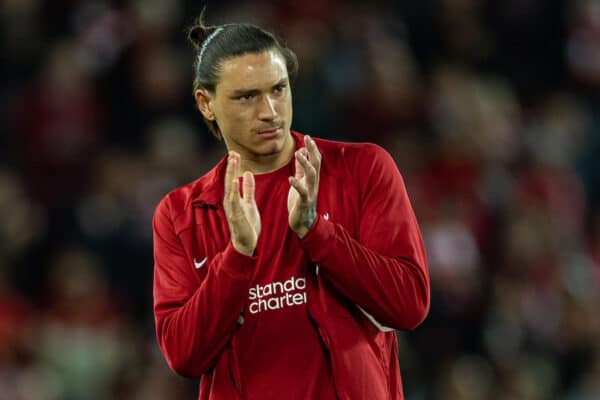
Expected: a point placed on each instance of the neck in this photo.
(265, 163)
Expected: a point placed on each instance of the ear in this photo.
(203, 102)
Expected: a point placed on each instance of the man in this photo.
(290, 286)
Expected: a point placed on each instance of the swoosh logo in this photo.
(200, 264)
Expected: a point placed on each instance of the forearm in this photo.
(194, 326)
(394, 289)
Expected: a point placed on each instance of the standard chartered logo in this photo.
(276, 295)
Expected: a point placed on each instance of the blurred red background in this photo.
(490, 109)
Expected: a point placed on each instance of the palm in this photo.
(251, 215)
(293, 204)
(241, 212)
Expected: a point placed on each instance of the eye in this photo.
(279, 88)
(245, 97)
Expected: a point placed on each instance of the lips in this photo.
(270, 133)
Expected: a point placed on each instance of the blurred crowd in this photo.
(490, 109)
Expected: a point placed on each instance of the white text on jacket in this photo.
(276, 295)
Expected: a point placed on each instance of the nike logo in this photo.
(200, 264)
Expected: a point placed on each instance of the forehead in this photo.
(252, 71)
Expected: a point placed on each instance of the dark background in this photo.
(490, 109)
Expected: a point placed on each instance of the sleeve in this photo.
(384, 270)
(194, 322)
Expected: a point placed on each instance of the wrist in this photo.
(303, 229)
(302, 232)
(246, 251)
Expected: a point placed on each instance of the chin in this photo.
(271, 147)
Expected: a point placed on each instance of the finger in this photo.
(228, 176)
(234, 202)
(233, 197)
(308, 168)
(313, 151)
(249, 187)
(230, 172)
(299, 169)
(238, 160)
(302, 159)
(300, 188)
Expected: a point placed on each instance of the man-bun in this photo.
(197, 35)
(198, 32)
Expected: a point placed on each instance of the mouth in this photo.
(270, 133)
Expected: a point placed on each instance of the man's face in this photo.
(252, 104)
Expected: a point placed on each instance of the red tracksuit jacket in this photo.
(369, 272)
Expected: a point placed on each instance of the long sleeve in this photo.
(194, 319)
(384, 269)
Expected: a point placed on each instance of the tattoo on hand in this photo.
(311, 216)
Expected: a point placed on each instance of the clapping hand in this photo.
(241, 212)
(302, 196)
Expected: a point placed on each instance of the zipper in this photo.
(234, 369)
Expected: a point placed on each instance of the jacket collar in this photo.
(208, 190)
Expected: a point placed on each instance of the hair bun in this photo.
(197, 34)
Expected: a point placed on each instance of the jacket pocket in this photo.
(359, 372)
(221, 384)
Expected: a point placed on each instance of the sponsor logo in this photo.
(277, 295)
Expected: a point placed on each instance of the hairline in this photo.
(218, 70)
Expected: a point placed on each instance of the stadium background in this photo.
(490, 109)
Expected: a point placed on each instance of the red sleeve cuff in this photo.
(237, 265)
(315, 241)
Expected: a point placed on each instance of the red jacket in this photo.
(370, 273)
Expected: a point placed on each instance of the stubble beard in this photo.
(275, 156)
(274, 149)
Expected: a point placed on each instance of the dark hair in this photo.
(215, 44)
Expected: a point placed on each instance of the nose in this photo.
(266, 111)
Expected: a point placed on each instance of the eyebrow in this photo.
(244, 92)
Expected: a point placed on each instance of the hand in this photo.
(242, 213)
(302, 197)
